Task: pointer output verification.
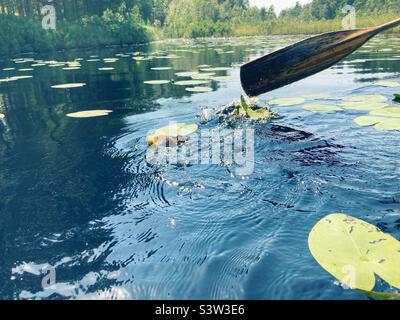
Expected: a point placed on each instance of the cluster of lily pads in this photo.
(382, 115)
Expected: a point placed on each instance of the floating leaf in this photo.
(106, 69)
(259, 114)
(191, 83)
(368, 98)
(366, 121)
(203, 76)
(386, 112)
(215, 69)
(199, 89)
(26, 69)
(71, 68)
(388, 125)
(203, 66)
(389, 84)
(287, 102)
(69, 86)
(171, 133)
(186, 74)
(322, 108)
(354, 251)
(161, 68)
(363, 105)
(8, 69)
(93, 60)
(2, 116)
(157, 82)
(89, 114)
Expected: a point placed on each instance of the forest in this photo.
(89, 23)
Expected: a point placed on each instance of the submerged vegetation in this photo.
(81, 24)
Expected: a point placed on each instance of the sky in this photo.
(279, 4)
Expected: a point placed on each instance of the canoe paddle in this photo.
(304, 59)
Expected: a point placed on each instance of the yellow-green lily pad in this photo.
(171, 133)
(389, 124)
(89, 114)
(389, 84)
(161, 68)
(199, 89)
(366, 121)
(386, 112)
(186, 74)
(363, 105)
(191, 82)
(69, 86)
(368, 98)
(287, 102)
(223, 78)
(322, 108)
(157, 82)
(354, 251)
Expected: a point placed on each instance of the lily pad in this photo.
(191, 83)
(388, 125)
(287, 102)
(386, 112)
(368, 98)
(171, 133)
(71, 68)
(89, 114)
(389, 84)
(2, 116)
(199, 89)
(157, 82)
(186, 74)
(322, 108)
(68, 86)
(203, 76)
(354, 251)
(8, 69)
(161, 68)
(106, 69)
(215, 69)
(366, 121)
(363, 105)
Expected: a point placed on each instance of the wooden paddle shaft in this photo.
(304, 59)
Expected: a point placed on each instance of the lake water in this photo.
(78, 194)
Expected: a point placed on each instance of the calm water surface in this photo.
(77, 194)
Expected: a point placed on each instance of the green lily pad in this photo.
(157, 82)
(171, 133)
(366, 121)
(389, 124)
(89, 114)
(389, 84)
(354, 251)
(191, 83)
(363, 105)
(287, 102)
(68, 86)
(215, 69)
(161, 68)
(203, 76)
(258, 114)
(322, 108)
(106, 69)
(386, 112)
(199, 89)
(186, 74)
(368, 98)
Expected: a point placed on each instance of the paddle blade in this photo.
(300, 60)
